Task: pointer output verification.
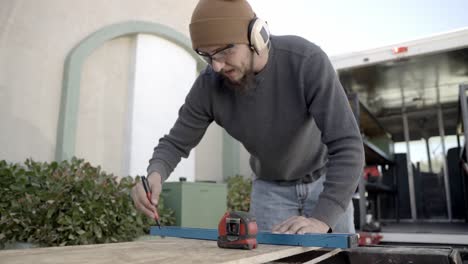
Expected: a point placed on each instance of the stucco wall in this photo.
(102, 118)
(35, 38)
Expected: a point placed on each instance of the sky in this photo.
(343, 26)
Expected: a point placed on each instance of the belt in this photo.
(308, 178)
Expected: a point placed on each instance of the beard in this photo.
(246, 83)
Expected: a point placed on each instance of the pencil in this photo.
(148, 195)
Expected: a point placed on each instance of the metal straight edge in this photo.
(425, 238)
(307, 240)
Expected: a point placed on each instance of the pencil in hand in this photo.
(148, 195)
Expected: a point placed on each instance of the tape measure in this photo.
(237, 229)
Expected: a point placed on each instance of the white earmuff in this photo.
(259, 34)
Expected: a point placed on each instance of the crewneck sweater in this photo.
(294, 122)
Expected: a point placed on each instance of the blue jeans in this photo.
(272, 203)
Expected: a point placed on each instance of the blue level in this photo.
(306, 240)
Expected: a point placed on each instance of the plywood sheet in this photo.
(162, 250)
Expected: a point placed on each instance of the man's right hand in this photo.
(139, 195)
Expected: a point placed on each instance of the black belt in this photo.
(308, 178)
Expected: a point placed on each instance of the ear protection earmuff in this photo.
(259, 34)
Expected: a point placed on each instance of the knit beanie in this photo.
(219, 22)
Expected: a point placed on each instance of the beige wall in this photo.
(209, 159)
(103, 105)
(36, 37)
(244, 166)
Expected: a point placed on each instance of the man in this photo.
(280, 97)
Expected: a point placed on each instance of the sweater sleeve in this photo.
(194, 118)
(329, 106)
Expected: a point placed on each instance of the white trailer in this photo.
(404, 92)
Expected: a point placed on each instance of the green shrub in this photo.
(68, 203)
(239, 193)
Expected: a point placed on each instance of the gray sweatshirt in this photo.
(296, 121)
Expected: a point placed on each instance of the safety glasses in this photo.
(218, 55)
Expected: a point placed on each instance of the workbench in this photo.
(167, 250)
(172, 250)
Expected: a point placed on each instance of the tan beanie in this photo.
(219, 22)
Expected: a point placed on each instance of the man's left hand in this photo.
(301, 225)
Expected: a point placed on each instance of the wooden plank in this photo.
(306, 240)
(158, 250)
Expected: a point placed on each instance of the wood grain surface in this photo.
(162, 250)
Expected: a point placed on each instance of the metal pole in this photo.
(440, 118)
(410, 168)
(428, 151)
(464, 108)
(408, 154)
(464, 115)
(444, 158)
(362, 203)
(354, 101)
(458, 140)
